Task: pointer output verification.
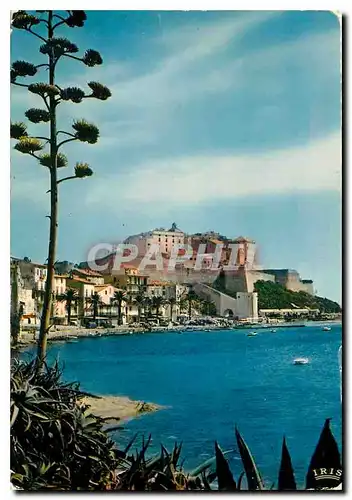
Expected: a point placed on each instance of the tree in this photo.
(70, 297)
(172, 302)
(54, 49)
(207, 307)
(191, 298)
(157, 302)
(140, 301)
(118, 298)
(95, 300)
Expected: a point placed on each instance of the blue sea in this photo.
(212, 381)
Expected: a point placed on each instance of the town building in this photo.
(85, 289)
(88, 274)
(165, 238)
(128, 278)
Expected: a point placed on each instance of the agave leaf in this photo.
(226, 481)
(208, 463)
(239, 482)
(130, 443)
(14, 415)
(286, 474)
(254, 480)
(326, 456)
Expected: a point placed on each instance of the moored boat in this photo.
(300, 361)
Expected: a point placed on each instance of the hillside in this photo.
(275, 296)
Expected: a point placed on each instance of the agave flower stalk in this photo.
(54, 49)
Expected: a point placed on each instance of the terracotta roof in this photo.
(87, 272)
(160, 283)
(80, 280)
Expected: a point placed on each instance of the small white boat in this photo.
(273, 330)
(252, 334)
(326, 329)
(301, 361)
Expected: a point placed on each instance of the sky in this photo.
(226, 121)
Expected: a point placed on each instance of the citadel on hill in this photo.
(231, 293)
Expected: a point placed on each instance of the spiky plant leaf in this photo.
(36, 115)
(42, 88)
(99, 91)
(254, 480)
(59, 46)
(24, 68)
(86, 132)
(73, 94)
(92, 58)
(29, 145)
(207, 464)
(22, 20)
(286, 474)
(76, 18)
(83, 170)
(45, 160)
(226, 481)
(326, 456)
(18, 130)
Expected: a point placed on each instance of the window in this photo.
(106, 292)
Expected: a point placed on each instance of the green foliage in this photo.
(36, 115)
(56, 444)
(99, 91)
(28, 145)
(83, 170)
(23, 68)
(58, 47)
(86, 132)
(275, 296)
(73, 94)
(92, 58)
(45, 160)
(18, 130)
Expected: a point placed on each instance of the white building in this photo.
(165, 238)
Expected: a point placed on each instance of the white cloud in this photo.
(188, 181)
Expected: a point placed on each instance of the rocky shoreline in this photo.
(118, 408)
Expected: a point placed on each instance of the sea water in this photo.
(211, 381)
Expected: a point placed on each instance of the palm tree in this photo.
(70, 296)
(157, 302)
(118, 298)
(147, 306)
(95, 300)
(191, 297)
(140, 301)
(172, 302)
